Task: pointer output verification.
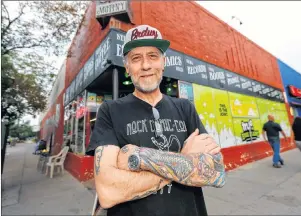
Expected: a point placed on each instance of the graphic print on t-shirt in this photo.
(165, 141)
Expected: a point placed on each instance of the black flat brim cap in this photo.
(158, 43)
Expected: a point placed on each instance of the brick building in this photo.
(233, 82)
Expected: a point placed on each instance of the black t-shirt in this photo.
(130, 120)
(272, 129)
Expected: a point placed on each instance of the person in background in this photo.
(270, 132)
(297, 131)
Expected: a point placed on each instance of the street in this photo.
(253, 189)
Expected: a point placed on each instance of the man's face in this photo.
(145, 65)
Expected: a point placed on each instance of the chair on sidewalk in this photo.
(57, 160)
(96, 209)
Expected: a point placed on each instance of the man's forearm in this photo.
(123, 185)
(194, 169)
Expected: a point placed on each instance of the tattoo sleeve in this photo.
(147, 193)
(98, 155)
(193, 170)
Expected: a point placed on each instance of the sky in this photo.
(273, 25)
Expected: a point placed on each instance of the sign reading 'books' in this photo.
(217, 78)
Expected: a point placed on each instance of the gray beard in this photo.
(146, 91)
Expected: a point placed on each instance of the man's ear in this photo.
(163, 63)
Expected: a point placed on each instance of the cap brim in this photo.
(158, 43)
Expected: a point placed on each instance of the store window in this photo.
(69, 124)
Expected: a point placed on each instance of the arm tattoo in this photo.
(148, 192)
(98, 155)
(194, 169)
(170, 165)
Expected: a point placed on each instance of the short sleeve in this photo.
(194, 121)
(279, 127)
(264, 127)
(103, 132)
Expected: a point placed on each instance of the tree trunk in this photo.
(3, 149)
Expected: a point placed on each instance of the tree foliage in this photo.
(21, 131)
(32, 33)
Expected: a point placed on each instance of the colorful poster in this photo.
(246, 130)
(223, 118)
(276, 109)
(205, 108)
(186, 91)
(243, 106)
(91, 102)
(282, 119)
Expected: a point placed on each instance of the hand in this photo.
(200, 143)
(124, 153)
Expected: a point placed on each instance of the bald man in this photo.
(270, 132)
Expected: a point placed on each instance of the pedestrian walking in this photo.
(270, 132)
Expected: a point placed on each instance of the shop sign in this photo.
(102, 54)
(88, 73)
(233, 81)
(294, 91)
(217, 77)
(119, 9)
(72, 92)
(195, 70)
(117, 41)
(246, 86)
(174, 65)
(79, 82)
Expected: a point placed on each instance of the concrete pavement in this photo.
(25, 191)
(253, 189)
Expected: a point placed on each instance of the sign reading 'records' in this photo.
(150, 34)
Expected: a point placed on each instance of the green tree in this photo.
(21, 131)
(31, 33)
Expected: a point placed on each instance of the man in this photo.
(297, 131)
(272, 130)
(152, 154)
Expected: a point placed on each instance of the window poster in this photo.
(243, 106)
(246, 130)
(223, 118)
(282, 119)
(205, 108)
(91, 102)
(276, 109)
(185, 90)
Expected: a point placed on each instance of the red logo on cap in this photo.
(140, 34)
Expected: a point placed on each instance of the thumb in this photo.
(194, 133)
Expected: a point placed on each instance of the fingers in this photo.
(215, 150)
(191, 136)
(204, 136)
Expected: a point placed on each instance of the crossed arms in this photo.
(200, 163)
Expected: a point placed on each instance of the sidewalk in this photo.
(254, 189)
(25, 191)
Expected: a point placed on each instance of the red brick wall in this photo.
(192, 30)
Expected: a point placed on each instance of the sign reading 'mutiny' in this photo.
(109, 8)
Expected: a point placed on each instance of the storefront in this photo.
(232, 93)
(292, 84)
(232, 107)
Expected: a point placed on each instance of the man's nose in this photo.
(146, 65)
